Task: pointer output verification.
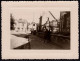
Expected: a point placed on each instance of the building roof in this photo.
(22, 21)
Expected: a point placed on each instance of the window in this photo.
(33, 24)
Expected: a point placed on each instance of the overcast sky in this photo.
(33, 14)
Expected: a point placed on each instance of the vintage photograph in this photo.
(40, 29)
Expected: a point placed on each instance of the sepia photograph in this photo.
(40, 30)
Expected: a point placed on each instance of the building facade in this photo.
(21, 25)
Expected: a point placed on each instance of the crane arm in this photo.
(53, 16)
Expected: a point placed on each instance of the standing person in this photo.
(45, 33)
(48, 35)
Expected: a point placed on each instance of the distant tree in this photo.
(11, 22)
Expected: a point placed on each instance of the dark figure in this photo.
(47, 36)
